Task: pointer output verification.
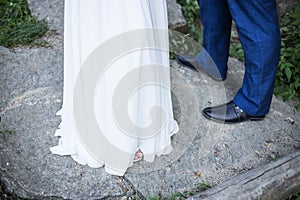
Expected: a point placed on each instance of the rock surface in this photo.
(53, 13)
(31, 90)
(30, 98)
(285, 6)
(176, 19)
(219, 152)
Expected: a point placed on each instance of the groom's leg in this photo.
(216, 21)
(258, 28)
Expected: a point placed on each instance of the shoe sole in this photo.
(223, 122)
(200, 70)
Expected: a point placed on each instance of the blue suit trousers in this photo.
(258, 29)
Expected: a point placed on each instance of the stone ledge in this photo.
(53, 12)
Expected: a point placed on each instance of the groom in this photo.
(258, 30)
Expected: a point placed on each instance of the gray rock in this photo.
(285, 6)
(176, 19)
(53, 12)
(31, 96)
(218, 152)
(204, 151)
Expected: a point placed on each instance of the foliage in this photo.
(5, 132)
(183, 195)
(182, 44)
(191, 12)
(288, 75)
(17, 26)
(236, 49)
(187, 44)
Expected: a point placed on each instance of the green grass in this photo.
(183, 195)
(17, 25)
(5, 132)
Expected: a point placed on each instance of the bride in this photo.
(117, 104)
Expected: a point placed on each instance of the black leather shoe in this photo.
(228, 114)
(191, 63)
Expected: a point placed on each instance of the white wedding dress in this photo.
(114, 35)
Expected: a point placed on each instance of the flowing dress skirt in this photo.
(110, 48)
